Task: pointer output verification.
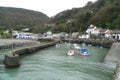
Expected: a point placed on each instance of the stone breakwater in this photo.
(113, 54)
(8, 43)
(113, 57)
(12, 58)
(116, 75)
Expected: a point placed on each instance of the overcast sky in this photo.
(48, 7)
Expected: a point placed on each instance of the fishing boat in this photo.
(71, 52)
(84, 52)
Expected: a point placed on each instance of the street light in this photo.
(11, 32)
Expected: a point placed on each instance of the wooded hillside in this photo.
(102, 13)
(16, 18)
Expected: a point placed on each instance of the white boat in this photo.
(83, 44)
(57, 45)
(76, 46)
(89, 45)
(70, 52)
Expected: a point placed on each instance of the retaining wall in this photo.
(103, 43)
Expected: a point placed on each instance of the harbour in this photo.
(73, 43)
(53, 64)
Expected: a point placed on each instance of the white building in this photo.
(108, 33)
(92, 29)
(56, 36)
(84, 36)
(112, 34)
(23, 35)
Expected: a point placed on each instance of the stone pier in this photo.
(113, 54)
(12, 58)
(116, 75)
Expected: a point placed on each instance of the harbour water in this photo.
(53, 64)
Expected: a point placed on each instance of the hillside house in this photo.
(108, 33)
(111, 34)
(92, 29)
(63, 35)
(49, 34)
(75, 35)
(23, 35)
(116, 35)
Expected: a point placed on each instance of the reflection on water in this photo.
(53, 64)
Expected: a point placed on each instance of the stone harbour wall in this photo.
(103, 43)
(113, 54)
(116, 75)
(12, 58)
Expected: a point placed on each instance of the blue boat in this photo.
(84, 52)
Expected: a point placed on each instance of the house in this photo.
(40, 35)
(108, 33)
(49, 34)
(63, 35)
(24, 35)
(115, 35)
(102, 32)
(92, 29)
(56, 36)
(75, 35)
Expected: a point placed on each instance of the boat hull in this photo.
(70, 53)
(84, 52)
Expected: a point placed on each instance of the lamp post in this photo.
(11, 32)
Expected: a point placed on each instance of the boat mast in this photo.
(70, 23)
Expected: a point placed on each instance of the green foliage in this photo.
(102, 13)
(17, 19)
(1, 32)
(3, 35)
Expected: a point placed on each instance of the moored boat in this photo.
(57, 45)
(84, 52)
(76, 46)
(71, 52)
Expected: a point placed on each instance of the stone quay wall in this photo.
(103, 43)
(12, 58)
(116, 75)
(113, 54)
